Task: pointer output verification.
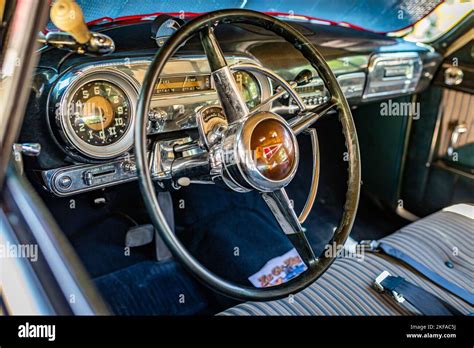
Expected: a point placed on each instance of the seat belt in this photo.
(376, 246)
(424, 301)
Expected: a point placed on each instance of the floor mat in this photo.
(101, 247)
(153, 288)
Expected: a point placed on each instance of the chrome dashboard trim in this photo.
(80, 178)
(273, 76)
(75, 174)
(379, 85)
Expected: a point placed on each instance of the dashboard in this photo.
(90, 105)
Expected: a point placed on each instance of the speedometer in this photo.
(97, 115)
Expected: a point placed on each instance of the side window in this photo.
(3, 309)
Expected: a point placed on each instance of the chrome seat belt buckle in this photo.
(368, 244)
(379, 287)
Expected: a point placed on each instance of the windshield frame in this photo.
(367, 15)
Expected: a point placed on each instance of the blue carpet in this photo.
(101, 247)
(152, 288)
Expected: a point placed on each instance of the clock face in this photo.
(100, 113)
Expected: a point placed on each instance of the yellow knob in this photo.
(67, 16)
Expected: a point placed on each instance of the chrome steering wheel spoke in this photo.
(230, 97)
(286, 87)
(271, 99)
(306, 119)
(282, 208)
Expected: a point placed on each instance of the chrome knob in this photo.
(129, 167)
(216, 133)
(28, 149)
(157, 115)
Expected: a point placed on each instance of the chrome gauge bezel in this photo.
(124, 144)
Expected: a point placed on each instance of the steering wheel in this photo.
(258, 149)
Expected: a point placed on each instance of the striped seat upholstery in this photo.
(443, 241)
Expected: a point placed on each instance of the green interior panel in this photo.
(382, 141)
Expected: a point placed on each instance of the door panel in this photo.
(439, 167)
(456, 133)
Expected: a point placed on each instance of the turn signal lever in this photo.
(67, 16)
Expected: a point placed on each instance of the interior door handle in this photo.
(457, 131)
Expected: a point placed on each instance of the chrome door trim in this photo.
(434, 138)
(64, 264)
(29, 17)
(20, 289)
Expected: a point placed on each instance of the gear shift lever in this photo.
(67, 16)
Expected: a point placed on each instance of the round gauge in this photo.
(101, 113)
(249, 87)
(99, 117)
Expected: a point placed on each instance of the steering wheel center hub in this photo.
(260, 153)
(273, 149)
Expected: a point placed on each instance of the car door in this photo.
(440, 159)
(455, 138)
(39, 273)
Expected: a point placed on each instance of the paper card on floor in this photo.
(279, 270)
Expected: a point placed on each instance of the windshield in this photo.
(373, 15)
(441, 20)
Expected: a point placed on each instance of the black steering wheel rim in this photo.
(147, 188)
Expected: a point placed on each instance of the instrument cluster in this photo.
(92, 110)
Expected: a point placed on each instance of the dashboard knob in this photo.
(88, 178)
(129, 167)
(216, 133)
(304, 77)
(65, 182)
(157, 115)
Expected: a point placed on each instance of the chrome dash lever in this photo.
(27, 149)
